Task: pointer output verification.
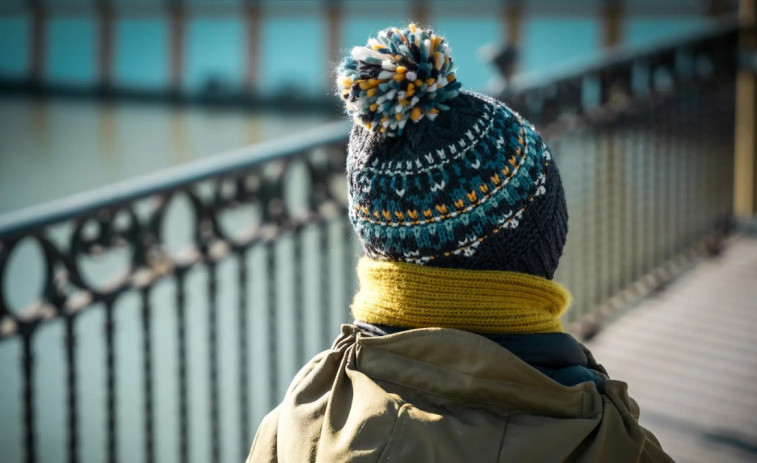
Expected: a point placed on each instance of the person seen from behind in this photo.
(456, 353)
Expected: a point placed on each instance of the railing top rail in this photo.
(15, 223)
(531, 81)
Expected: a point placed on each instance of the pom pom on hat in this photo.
(399, 76)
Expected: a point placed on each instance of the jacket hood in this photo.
(445, 395)
(466, 366)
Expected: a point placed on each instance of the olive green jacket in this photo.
(443, 395)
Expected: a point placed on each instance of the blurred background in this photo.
(244, 59)
(173, 233)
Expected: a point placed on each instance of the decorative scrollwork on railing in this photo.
(131, 241)
(103, 249)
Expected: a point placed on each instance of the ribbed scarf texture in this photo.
(481, 301)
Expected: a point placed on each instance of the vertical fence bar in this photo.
(613, 211)
(667, 155)
(641, 154)
(147, 376)
(325, 284)
(675, 174)
(731, 92)
(689, 175)
(244, 400)
(627, 223)
(665, 181)
(600, 217)
(624, 217)
(634, 163)
(657, 173)
(580, 265)
(652, 175)
(589, 224)
(607, 153)
(297, 293)
(73, 397)
(27, 362)
(215, 430)
(658, 199)
(701, 194)
(675, 154)
(273, 329)
(685, 146)
(110, 355)
(181, 352)
(637, 158)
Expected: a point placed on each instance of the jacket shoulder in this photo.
(627, 410)
(264, 445)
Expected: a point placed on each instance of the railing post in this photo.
(745, 172)
(419, 12)
(176, 26)
(512, 22)
(334, 25)
(612, 23)
(105, 38)
(720, 8)
(253, 22)
(30, 427)
(72, 392)
(37, 39)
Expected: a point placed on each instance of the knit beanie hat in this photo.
(441, 176)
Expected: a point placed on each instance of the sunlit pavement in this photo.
(689, 355)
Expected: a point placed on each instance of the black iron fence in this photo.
(645, 145)
(159, 320)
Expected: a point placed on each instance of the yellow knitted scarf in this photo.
(482, 301)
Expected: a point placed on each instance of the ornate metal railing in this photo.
(267, 220)
(158, 320)
(645, 144)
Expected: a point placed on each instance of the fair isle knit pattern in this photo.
(473, 187)
(398, 76)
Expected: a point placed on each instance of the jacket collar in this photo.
(467, 367)
(541, 350)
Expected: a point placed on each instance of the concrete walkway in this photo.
(689, 355)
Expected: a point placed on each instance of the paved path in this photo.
(689, 355)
